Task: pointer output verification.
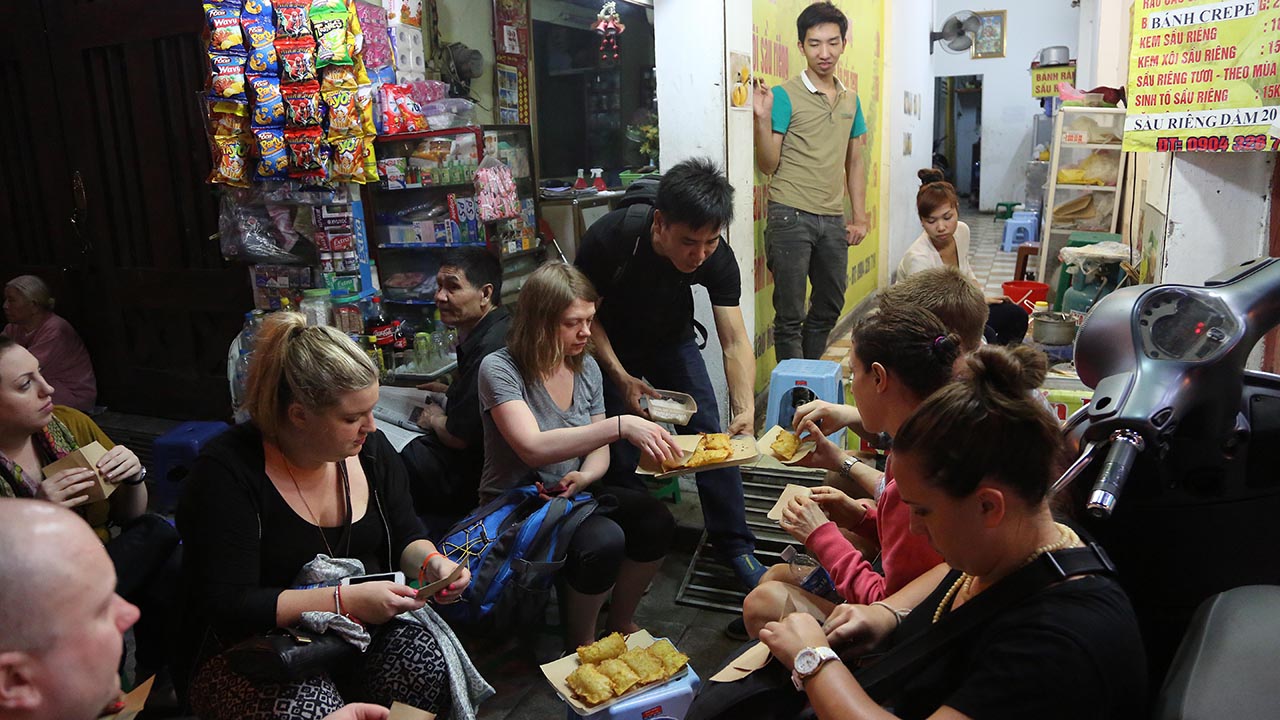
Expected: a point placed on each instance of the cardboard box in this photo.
(86, 457)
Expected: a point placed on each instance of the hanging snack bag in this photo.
(329, 26)
(302, 105)
(273, 163)
(364, 101)
(370, 163)
(338, 77)
(227, 76)
(230, 161)
(344, 114)
(268, 105)
(260, 36)
(293, 18)
(224, 26)
(297, 60)
(226, 124)
(348, 159)
(304, 150)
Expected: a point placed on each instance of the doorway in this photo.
(957, 127)
(591, 104)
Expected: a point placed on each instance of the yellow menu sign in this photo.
(1044, 80)
(1202, 76)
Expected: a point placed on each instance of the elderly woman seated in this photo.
(64, 362)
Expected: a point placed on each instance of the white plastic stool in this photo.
(1019, 229)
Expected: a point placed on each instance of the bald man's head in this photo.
(61, 622)
(42, 548)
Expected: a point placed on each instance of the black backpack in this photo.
(638, 201)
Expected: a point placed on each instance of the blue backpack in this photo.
(514, 546)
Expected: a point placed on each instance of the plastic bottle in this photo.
(316, 307)
(581, 182)
(597, 179)
(370, 346)
(379, 326)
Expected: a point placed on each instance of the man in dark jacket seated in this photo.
(444, 464)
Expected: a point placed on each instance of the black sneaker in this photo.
(737, 630)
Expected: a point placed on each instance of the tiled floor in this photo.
(992, 266)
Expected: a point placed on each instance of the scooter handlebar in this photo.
(1125, 446)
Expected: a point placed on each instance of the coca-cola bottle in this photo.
(379, 325)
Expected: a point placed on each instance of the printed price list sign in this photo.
(1203, 76)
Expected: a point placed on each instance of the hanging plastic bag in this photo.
(496, 195)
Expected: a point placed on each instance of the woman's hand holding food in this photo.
(785, 638)
(439, 566)
(819, 417)
(67, 488)
(801, 517)
(650, 437)
(826, 455)
(842, 509)
(119, 464)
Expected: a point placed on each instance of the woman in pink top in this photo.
(900, 356)
(64, 362)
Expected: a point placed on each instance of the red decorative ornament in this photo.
(609, 24)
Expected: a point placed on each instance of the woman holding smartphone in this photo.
(308, 475)
(542, 403)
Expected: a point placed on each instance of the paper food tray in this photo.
(766, 440)
(557, 670)
(743, 446)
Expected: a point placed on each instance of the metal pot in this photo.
(1053, 328)
(1055, 55)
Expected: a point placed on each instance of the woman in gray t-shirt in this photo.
(543, 410)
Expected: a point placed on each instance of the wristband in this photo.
(897, 614)
(337, 599)
(422, 570)
(619, 427)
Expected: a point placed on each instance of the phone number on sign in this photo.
(1217, 143)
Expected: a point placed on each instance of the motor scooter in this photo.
(1182, 445)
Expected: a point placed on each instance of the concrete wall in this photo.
(907, 70)
(471, 23)
(1007, 105)
(1102, 45)
(1219, 206)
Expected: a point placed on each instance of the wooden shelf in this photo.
(427, 246)
(1090, 146)
(474, 129)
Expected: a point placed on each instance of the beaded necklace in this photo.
(1066, 538)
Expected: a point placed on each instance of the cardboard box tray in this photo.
(743, 446)
(557, 670)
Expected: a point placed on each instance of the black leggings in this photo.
(148, 564)
(640, 529)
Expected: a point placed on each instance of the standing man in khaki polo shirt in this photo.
(810, 136)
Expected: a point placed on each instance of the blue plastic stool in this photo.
(1021, 228)
(795, 382)
(177, 450)
(670, 700)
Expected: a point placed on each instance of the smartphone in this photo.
(395, 577)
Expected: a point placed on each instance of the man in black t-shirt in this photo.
(444, 464)
(643, 261)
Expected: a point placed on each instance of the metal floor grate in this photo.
(711, 585)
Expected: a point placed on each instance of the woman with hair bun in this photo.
(64, 361)
(945, 243)
(311, 475)
(900, 356)
(974, 464)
